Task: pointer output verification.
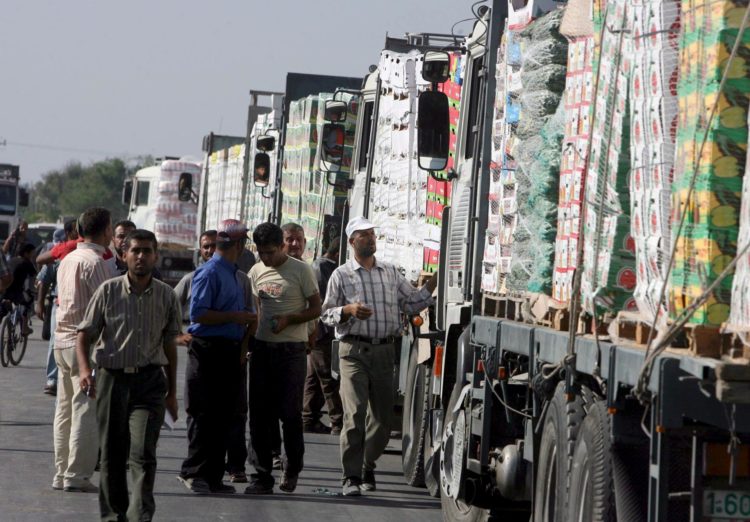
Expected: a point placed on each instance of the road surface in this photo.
(26, 461)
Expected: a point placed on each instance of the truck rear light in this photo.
(502, 373)
(438, 366)
(480, 366)
(716, 460)
(417, 321)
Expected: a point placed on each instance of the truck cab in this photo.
(12, 198)
(153, 204)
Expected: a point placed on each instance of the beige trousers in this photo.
(76, 434)
(367, 396)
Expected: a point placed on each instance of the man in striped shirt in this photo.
(135, 319)
(364, 302)
(79, 275)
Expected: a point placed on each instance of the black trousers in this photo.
(236, 443)
(277, 379)
(321, 388)
(212, 388)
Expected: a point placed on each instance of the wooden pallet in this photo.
(502, 306)
(586, 326)
(423, 277)
(632, 326)
(703, 341)
(556, 318)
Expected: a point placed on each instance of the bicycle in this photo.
(13, 340)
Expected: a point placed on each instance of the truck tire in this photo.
(414, 421)
(592, 492)
(431, 462)
(561, 424)
(456, 510)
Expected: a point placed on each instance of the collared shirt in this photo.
(184, 289)
(383, 288)
(79, 275)
(133, 327)
(215, 287)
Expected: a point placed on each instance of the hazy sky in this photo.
(103, 78)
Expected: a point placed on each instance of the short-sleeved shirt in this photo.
(215, 287)
(282, 290)
(133, 327)
(184, 288)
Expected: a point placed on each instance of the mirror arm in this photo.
(451, 174)
(263, 192)
(346, 185)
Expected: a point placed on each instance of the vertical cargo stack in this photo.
(711, 155)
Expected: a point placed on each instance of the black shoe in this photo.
(260, 484)
(368, 480)
(222, 489)
(288, 483)
(50, 389)
(316, 427)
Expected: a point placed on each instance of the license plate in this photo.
(726, 504)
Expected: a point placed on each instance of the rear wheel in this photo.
(414, 421)
(19, 341)
(452, 465)
(6, 340)
(560, 428)
(592, 493)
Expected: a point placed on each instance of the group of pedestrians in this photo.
(258, 345)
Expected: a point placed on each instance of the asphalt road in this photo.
(26, 464)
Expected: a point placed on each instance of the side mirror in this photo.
(436, 67)
(265, 143)
(335, 111)
(127, 192)
(23, 197)
(184, 187)
(261, 169)
(332, 147)
(433, 131)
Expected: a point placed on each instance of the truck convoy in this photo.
(152, 199)
(12, 197)
(574, 172)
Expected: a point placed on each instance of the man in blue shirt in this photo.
(218, 323)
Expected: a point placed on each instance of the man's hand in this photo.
(358, 310)
(184, 339)
(88, 384)
(244, 318)
(279, 322)
(171, 404)
(39, 311)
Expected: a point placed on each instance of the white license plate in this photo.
(726, 504)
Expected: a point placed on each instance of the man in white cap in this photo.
(364, 302)
(218, 323)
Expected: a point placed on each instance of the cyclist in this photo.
(22, 269)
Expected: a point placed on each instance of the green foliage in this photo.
(76, 187)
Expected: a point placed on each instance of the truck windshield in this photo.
(7, 199)
(141, 193)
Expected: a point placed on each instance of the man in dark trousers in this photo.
(135, 319)
(320, 386)
(219, 321)
(287, 298)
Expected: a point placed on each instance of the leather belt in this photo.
(391, 339)
(135, 369)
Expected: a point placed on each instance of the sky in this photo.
(86, 80)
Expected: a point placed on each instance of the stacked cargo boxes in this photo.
(398, 190)
(608, 278)
(579, 89)
(439, 190)
(708, 240)
(739, 316)
(175, 221)
(654, 26)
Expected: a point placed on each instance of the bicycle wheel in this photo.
(19, 341)
(6, 340)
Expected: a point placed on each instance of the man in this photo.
(320, 386)
(135, 319)
(17, 238)
(286, 298)
(22, 269)
(48, 287)
(236, 444)
(364, 303)
(78, 277)
(219, 321)
(121, 230)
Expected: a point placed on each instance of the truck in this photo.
(12, 198)
(153, 201)
(520, 406)
(282, 142)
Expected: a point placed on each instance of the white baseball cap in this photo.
(358, 223)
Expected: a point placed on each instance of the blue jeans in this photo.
(51, 365)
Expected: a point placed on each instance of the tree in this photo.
(73, 189)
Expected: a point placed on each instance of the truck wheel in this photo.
(455, 510)
(414, 422)
(431, 461)
(561, 424)
(592, 494)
